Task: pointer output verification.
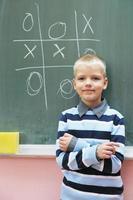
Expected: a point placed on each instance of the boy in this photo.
(91, 138)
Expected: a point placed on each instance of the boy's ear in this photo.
(105, 83)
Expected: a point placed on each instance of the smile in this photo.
(88, 90)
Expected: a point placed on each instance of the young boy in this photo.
(91, 138)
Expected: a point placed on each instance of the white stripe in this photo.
(59, 159)
(116, 164)
(99, 166)
(72, 194)
(62, 126)
(118, 130)
(111, 111)
(89, 156)
(121, 148)
(92, 142)
(90, 125)
(57, 144)
(109, 181)
(72, 164)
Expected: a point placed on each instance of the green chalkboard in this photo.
(39, 42)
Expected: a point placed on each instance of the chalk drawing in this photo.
(53, 29)
(59, 51)
(65, 88)
(30, 90)
(28, 22)
(88, 24)
(30, 51)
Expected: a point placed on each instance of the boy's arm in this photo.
(68, 160)
(114, 164)
(73, 160)
(69, 143)
(106, 153)
(76, 160)
(86, 157)
(114, 151)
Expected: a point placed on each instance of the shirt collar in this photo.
(98, 111)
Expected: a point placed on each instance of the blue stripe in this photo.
(107, 118)
(91, 134)
(119, 156)
(118, 121)
(60, 134)
(94, 134)
(87, 134)
(107, 166)
(94, 189)
(118, 138)
(65, 161)
(63, 118)
(58, 152)
(79, 160)
(92, 171)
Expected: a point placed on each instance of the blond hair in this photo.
(89, 60)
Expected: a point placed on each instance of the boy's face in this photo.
(89, 82)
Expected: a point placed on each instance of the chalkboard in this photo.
(39, 43)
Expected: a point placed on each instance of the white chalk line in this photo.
(53, 40)
(43, 61)
(47, 67)
(76, 31)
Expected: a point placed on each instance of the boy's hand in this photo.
(64, 141)
(106, 150)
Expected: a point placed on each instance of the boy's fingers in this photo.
(61, 139)
(67, 135)
(115, 144)
(112, 148)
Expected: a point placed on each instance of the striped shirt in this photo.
(85, 177)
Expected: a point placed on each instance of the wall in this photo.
(39, 178)
(29, 178)
(127, 174)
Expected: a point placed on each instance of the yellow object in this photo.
(9, 142)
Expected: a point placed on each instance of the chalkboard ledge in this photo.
(37, 150)
(49, 151)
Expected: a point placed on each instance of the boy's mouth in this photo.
(88, 90)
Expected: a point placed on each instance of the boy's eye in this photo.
(81, 78)
(95, 78)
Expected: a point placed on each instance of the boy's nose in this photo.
(88, 82)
